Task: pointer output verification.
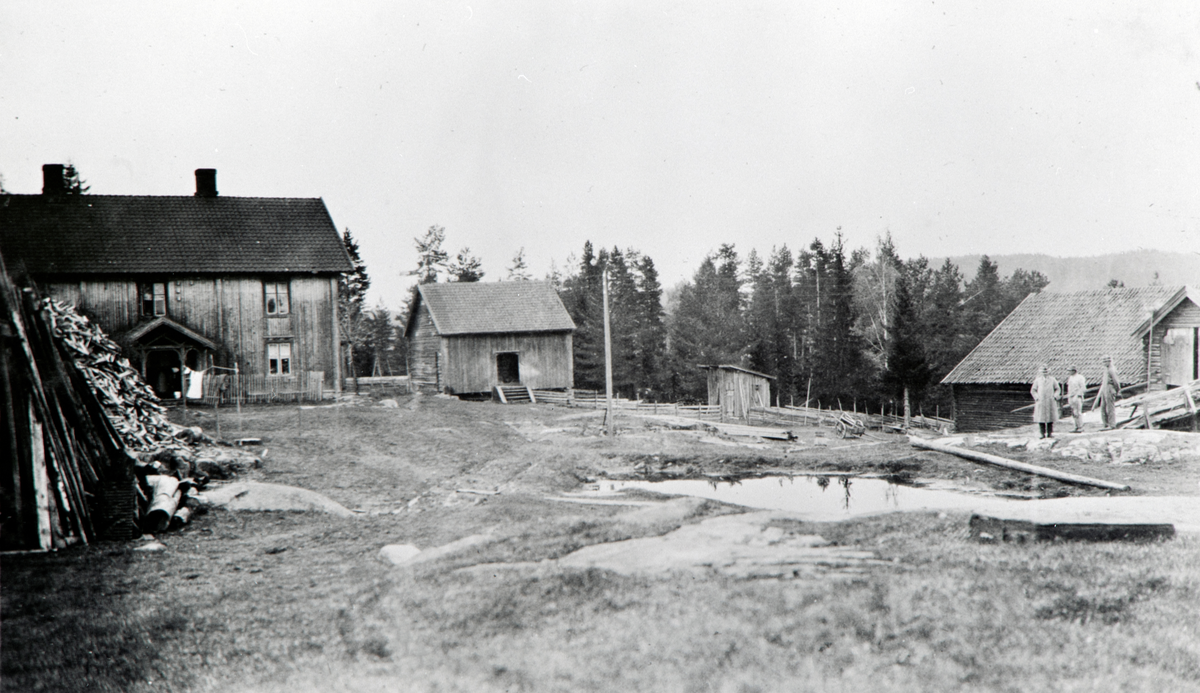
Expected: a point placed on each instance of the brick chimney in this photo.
(206, 182)
(52, 179)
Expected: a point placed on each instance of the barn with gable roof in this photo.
(1152, 334)
(472, 337)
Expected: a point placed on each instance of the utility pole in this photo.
(608, 361)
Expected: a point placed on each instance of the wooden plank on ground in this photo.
(987, 528)
(1013, 464)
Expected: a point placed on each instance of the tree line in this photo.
(854, 329)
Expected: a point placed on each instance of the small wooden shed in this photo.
(737, 389)
(470, 337)
(1152, 334)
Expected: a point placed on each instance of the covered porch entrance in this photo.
(167, 351)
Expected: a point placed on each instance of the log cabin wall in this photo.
(1173, 353)
(545, 360)
(424, 351)
(229, 310)
(989, 407)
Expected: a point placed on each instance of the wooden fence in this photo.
(591, 399)
(305, 386)
(785, 415)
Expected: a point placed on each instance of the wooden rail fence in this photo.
(785, 415)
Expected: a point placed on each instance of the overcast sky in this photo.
(1070, 128)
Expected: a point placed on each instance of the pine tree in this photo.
(771, 319)
(518, 270)
(352, 293)
(838, 369)
(907, 373)
(945, 334)
(1020, 284)
(581, 296)
(707, 327)
(73, 184)
(431, 257)
(651, 328)
(379, 341)
(985, 300)
(466, 267)
(623, 323)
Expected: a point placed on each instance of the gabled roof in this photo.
(1183, 293)
(1064, 330)
(459, 308)
(168, 325)
(132, 234)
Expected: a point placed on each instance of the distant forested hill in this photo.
(1137, 268)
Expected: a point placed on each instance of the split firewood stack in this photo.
(89, 453)
(129, 402)
(173, 462)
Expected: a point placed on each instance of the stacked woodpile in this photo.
(88, 451)
(66, 475)
(129, 402)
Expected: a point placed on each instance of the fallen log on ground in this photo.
(1013, 464)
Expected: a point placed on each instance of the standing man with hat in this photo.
(1110, 386)
(1076, 389)
(1046, 392)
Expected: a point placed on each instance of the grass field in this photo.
(278, 601)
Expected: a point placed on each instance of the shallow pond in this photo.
(816, 498)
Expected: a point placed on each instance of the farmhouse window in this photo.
(276, 297)
(279, 358)
(154, 299)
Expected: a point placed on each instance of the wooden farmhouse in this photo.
(737, 389)
(470, 337)
(1152, 334)
(197, 281)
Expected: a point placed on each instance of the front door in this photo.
(508, 368)
(163, 372)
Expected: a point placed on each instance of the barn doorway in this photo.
(508, 368)
(163, 372)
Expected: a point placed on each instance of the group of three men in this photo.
(1047, 392)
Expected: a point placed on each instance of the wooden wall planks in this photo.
(229, 310)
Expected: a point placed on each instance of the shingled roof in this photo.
(134, 234)
(480, 308)
(1064, 330)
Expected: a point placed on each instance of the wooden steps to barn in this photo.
(515, 394)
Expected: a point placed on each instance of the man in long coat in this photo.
(1110, 387)
(1046, 392)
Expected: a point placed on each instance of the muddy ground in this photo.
(519, 590)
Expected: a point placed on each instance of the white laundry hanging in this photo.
(195, 388)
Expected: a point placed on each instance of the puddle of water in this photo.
(815, 498)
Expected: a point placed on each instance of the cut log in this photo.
(1013, 464)
(988, 529)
